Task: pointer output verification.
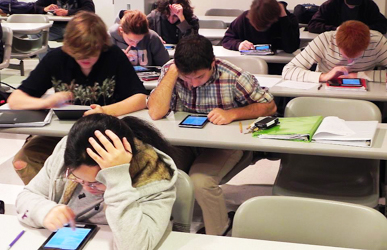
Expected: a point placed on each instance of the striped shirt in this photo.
(229, 87)
(324, 51)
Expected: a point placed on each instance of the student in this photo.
(173, 19)
(196, 82)
(105, 159)
(62, 8)
(142, 46)
(332, 13)
(87, 70)
(267, 22)
(352, 51)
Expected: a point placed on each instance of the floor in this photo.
(255, 180)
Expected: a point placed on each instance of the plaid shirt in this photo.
(229, 87)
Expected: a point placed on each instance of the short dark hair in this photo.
(129, 127)
(163, 7)
(193, 53)
(263, 13)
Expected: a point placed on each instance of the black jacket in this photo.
(76, 5)
(329, 17)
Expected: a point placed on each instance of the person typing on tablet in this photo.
(87, 70)
(114, 164)
(351, 51)
(141, 45)
(195, 81)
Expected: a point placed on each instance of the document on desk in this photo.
(350, 133)
(297, 85)
(267, 82)
(25, 118)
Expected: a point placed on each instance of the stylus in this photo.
(92, 206)
(16, 239)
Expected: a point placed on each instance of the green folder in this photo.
(292, 128)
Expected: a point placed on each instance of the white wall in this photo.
(202, 5)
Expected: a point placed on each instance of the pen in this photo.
(16, 239)
(319, 87)
(240, 127)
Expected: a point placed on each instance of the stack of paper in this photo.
(292, 128)
(351, 133)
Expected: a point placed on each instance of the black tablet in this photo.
(70, 112)
(194, 121)
(138, 68)
(69, 239)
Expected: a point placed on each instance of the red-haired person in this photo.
(352, 51)
(141, 45)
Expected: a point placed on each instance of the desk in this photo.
(50, 17)
(228, 137)
(33, 238)
(27, 28)
(306, 35)
(226, 19)
(212, 33)
(220, 52)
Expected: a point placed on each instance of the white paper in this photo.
(333, 125)
(268, 82)
(297, 85)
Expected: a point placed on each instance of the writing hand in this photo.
(219, 116)
(245, 45)
(58, 217)
(109, 155)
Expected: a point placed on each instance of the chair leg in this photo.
(21, 64)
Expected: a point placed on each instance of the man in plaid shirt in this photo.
(196, 82)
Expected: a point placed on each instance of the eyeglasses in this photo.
(70, 176)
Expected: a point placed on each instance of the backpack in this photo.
(304, 12)
(16, 7)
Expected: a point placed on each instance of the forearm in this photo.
(253, 111)
(159, 100)
(20, 100)
(129, 105)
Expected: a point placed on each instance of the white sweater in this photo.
(324, 51)
(138, 217)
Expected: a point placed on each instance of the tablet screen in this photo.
(195, 120)
(348, 81)
(262, 47)
(140, 68)
(66, 238)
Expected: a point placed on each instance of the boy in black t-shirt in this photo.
(87, 70)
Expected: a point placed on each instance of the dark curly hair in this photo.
(163, 7)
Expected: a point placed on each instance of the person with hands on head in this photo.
(351, 51)
(141, 45)
(173, 20)
(196, 82)
(113, 163)
(87, 70)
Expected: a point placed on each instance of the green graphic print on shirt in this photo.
(86, 95)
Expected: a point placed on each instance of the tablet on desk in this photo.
(67, 238)
(138, 68)
(194, 121)
(71, 112)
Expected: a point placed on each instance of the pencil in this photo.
(240, 127)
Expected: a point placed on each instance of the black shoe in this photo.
(201, 231)
(231, 218)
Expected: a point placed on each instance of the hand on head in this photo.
(110, 155)
(59, 217)
(177, 10)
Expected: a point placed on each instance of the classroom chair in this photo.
(333, 178)
(311, 221)
(25, 46)
(223, 12)
(182, 210)
(7, 43)
(212, 24)
(252, 64)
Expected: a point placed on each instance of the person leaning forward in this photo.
(87, 70)
(195, 81)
